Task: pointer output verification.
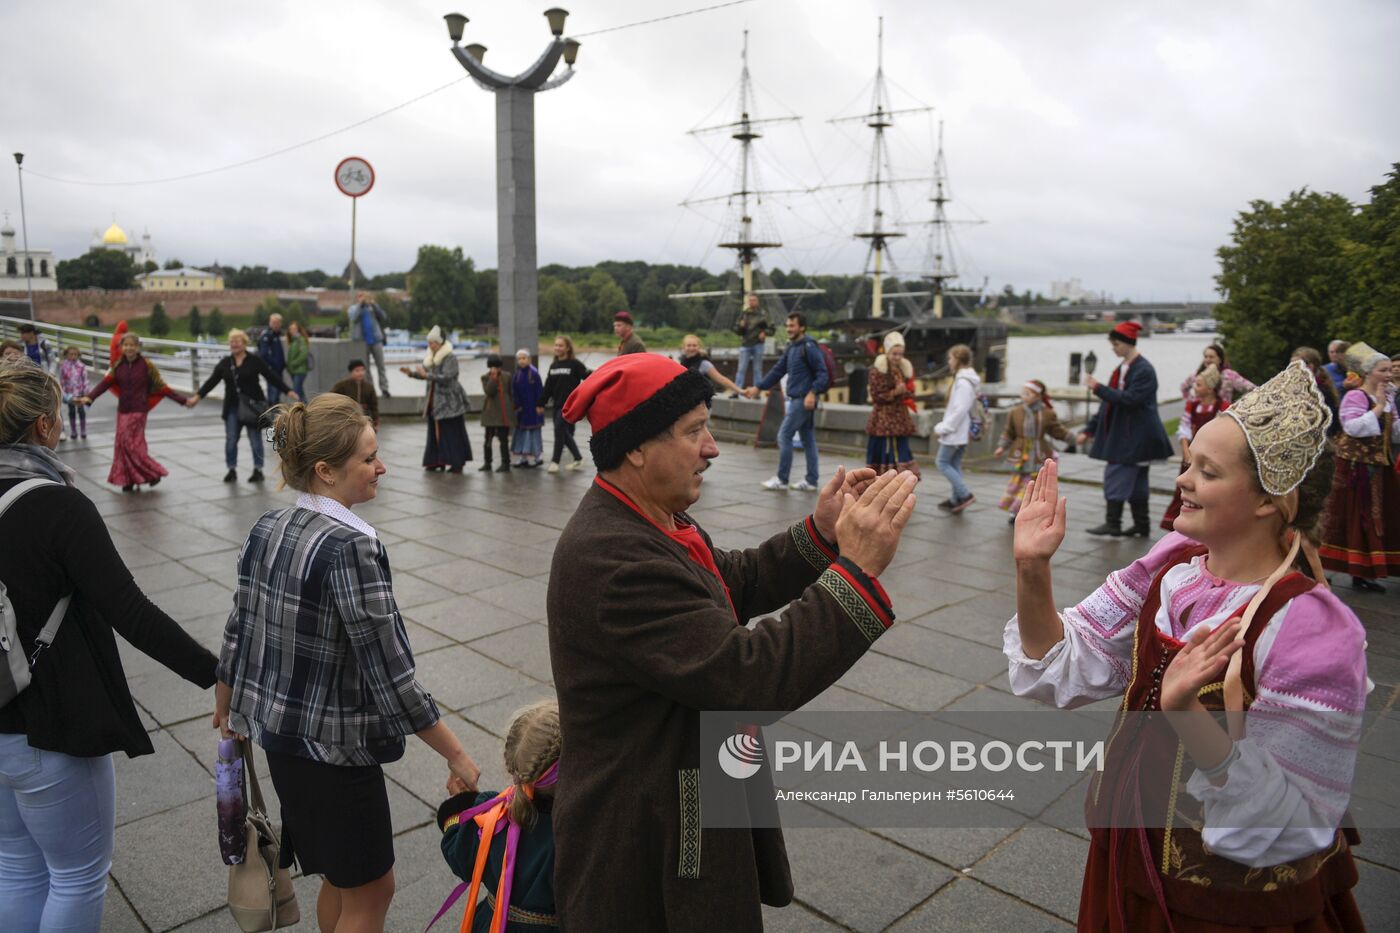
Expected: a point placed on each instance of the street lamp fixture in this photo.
(455, 23)
(571, 51)
(476, 50)
(556, 18)
(24, 228)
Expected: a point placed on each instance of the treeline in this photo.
(1309, 270)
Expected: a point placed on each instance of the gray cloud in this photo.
(1105, 141)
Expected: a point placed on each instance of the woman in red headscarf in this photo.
(139, 387)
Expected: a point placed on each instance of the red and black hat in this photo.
(623, 316)
(1126, 332)
(631, 399)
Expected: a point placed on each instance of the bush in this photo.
(196, 321)
(216, 326)
(160, 322)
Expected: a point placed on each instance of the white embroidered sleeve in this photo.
(1072, 673)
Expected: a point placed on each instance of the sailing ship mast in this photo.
(746, 242)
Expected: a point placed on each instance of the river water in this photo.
(1043, 358)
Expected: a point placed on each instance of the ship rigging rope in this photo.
(358, 123)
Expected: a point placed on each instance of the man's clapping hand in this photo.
(832, 495)
(869, 527)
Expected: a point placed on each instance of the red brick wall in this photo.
(72, 308)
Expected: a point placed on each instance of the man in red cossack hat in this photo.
(648, 627)
(1127, 433)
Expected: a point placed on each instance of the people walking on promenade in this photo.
(892, 407)
(1026, 442)
(753, 329)
(445, 408)
(564, 375)
(244, 402)
(519, 895)
(357, 386)
(57, 736)
(1362, 537)
(1127, 433)
(367, 323)
(1221, 615)
(274, 354)
(805, 368)
(627, 339)
(139, 387)
(498, 412)
(693, 356)
(298, 357)
(1203, 405)
(37, 347)
(1232, 384)
(1313, 360)
(647, 629)
(1337, 364)
(316, 666)
(527, 447)
(954, 431)
(73, 379)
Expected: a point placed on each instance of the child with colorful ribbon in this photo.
(507, 838)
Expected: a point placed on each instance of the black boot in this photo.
(1142, 525)
(1113, 521)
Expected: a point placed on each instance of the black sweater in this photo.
(53, 541)
(242, 379)
(563, 378)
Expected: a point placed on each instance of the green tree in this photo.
(99, 268)
(1374, 314)
(216, 326)
(602, 298)
(195, 321)
(149, 266)
(561, 308)
(444, 289)
(1286, 279)
(266, 309)
(160, 321)
(173, 263)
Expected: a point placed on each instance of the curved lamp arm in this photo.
(534, 77)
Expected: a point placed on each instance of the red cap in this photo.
(622, 316)
(1127, 331)
(631, 399)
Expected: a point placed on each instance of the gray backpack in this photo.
(14, 666)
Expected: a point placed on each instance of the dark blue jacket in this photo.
(271, 349)
(805, 366)
(1126, 428)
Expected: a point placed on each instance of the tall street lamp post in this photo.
(516, 257)
(24, 229)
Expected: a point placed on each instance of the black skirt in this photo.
(335, 819)
(448, 444)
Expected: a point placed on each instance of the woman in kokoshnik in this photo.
(139, 387)
(1251, 841)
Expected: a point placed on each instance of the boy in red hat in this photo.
(1127, 433)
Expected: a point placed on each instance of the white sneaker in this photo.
(802, 486)
(553, 467)
(774, 483)
(576, 465)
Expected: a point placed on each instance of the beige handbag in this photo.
(260, 894)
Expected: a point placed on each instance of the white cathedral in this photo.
(13, 259)
(115, 238)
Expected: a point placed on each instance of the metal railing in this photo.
(176, 359)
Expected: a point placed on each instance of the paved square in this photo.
(471, 557)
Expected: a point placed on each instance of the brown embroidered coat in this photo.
(1017, 434)
(889, 416)
(641, 640)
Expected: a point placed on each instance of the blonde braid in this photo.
(532, 744)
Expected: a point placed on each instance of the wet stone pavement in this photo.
(470, 557)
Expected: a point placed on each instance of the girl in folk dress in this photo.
(1363, 514)
(891, 421)
(1251, 840)
(1026, 441)
(73, 377)
(1203, 405)
(139, 387)
(1232, 384)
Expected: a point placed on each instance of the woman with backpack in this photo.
(955, 429)
(240, 372)
(58, 733)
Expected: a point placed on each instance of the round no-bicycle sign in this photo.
(354, 177)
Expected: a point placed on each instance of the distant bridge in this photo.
(1147, 312)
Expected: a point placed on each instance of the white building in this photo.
(180, 280)
(13, 259)
(1071, 290)
(115, 238)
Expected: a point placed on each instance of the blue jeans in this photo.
(231, 431)
(274, 389)
(798, 420)
(299, 385)
(57, 820)
(750, 358)
(950, 465)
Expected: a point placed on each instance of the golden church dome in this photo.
(115, 236)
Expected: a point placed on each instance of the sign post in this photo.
(354, 177)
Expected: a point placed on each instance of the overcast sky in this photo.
(1105, 141)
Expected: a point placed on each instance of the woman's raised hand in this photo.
(1040, 524)
(1202, 661)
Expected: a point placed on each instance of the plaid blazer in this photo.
(315, 649)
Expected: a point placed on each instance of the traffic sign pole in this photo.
(354, 177)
